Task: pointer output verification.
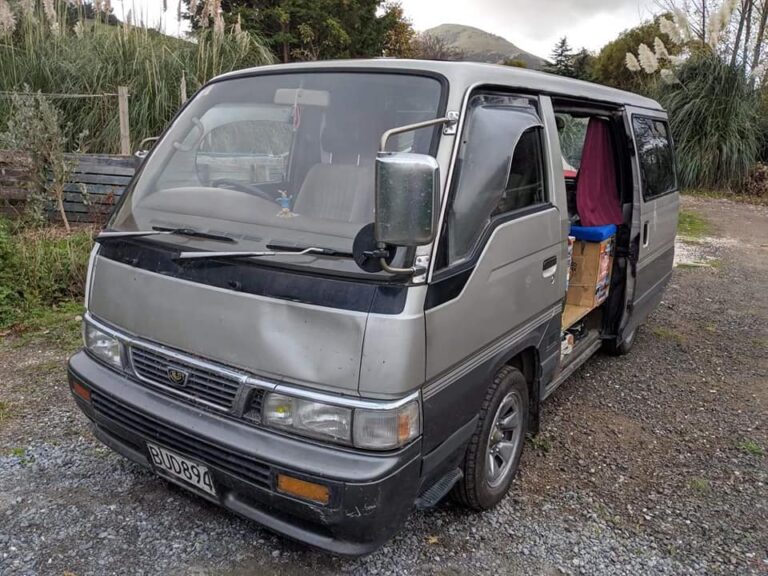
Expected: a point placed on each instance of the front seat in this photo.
(341, 188)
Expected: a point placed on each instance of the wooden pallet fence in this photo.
(14, 182)
(96, 184)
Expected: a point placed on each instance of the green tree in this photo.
(318, 29)
(400, 35)
(582, 64)
(610, 66)
(562, 59)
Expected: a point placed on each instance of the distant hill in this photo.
(481, 46)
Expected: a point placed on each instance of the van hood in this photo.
(275, 339)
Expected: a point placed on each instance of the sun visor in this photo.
(225, 114)
(292, 96)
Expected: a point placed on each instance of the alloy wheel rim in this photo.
(504, 439)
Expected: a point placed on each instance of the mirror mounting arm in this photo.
(410, 127)
(412, 271)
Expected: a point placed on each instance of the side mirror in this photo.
(407, 198)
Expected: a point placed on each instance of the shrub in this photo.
(757, 184)
(763, 124)
(10, 299)
(713, 115)
(40, 268)
(34, 128)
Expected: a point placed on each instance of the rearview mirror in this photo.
(407, 197)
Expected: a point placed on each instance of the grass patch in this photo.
(725, 195)
(751, 447)
(714, 263)
(668, 334)
(42, 280)
(21, 454)
(60, 324)
(691, 225)
(700, 485)
(5, 409)
(540, 443)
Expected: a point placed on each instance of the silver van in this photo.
(337, 291)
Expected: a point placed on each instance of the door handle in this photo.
(549, 267)
(645, 234)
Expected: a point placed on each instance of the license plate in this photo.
(181, 467)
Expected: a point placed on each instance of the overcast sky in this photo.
(533, 25)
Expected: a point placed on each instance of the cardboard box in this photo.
(590, 278)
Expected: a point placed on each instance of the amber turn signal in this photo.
(81, 391)
(303, 489)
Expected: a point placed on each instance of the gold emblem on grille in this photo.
(176, 377)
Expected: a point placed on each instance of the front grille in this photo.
(210, 386)
(253, 410)
(148, 427)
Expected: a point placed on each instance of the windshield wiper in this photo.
(325, 251)
(289, 251)
(160, 230)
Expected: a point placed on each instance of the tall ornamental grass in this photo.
(715, 122)
(54, 54)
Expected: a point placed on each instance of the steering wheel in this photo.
(243, 187)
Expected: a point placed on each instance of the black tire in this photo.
(615, 348)
(476, 490)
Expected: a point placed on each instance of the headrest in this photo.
(347, 136)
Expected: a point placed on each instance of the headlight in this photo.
(362, 427)
(308, 417)
(105, 347)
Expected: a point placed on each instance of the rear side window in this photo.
(657, 162)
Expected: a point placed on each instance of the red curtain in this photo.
(597, 197)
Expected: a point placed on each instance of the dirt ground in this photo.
(651, 463)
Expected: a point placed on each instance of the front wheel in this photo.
(493, 454)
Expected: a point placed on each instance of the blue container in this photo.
(593, 233)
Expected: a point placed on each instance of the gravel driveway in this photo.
(649, 464)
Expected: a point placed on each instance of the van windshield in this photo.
(283, 159)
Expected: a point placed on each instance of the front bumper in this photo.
(371, 494)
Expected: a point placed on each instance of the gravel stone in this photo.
(641, 466)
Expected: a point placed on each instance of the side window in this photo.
(525, 183)
(572, 131)
(654, 150)
(500, 170)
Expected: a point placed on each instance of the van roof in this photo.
(469, 73)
